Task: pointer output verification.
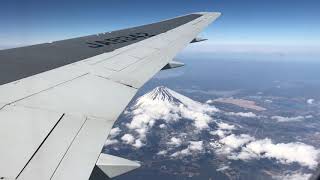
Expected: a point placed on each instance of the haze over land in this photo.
(182, 129)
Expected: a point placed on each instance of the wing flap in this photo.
(83, 153)
(22, 131)
(50, 154)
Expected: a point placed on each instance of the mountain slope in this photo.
(168, 105)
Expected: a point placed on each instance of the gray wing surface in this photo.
(59, 100)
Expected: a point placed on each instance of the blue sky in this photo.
(289, 24)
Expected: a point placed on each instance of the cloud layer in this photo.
(246, 147)
(164, 108)
(290, 119)
(243, 114)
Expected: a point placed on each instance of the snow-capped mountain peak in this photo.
(166, 95)
(165, 104)
(160, 93)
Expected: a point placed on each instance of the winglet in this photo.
(114, 166)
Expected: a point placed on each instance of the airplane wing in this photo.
(59, 100)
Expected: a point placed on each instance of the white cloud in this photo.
(161, 153)
(219, 132)
(127, 138)
(162, 126)
(234, 141)
(223, 129)
(287, 119)
(193, 147)
(175, 141)
(243, 114)
(293, 176)
(196, 146)
(268, 101)
(301, 153)
(111, 142)
(308, 116)
(210, 101)
(223, 168)
(137, 143)
(225, 126)
(216, 145)
(114, 132)
(245, 147)
(310, 101)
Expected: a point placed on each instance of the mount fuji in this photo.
(167, 105)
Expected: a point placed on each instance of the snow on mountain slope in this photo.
(168, 105)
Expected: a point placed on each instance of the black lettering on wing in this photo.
(120, 39)
(94, 45)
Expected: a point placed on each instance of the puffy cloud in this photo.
(114, 132)
(287, 119)
(243, 114)
(286, 153)
(163, 152)
(193, 147)
(223, 168)
(234, 141)
(308, 116)
(162, 126)
(223, 129)
(111, 142)
(199, 116)
(268, 101)
(245, 147)
(138, 143)
(128, 139)
(310, 101)
(196, 146)
(219, 132)
(210, 101)
(175, 141)
(293, 176)
(225, 126)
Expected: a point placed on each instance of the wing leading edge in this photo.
(55, 117)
